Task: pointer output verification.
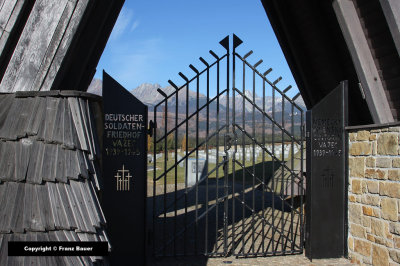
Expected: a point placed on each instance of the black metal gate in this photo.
(227, 176)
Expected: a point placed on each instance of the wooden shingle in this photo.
(71, 167)
(58, 129)
(93, 204)
(6, 100)
(60, 165)
(79, 125)
(88, 199)
(70, 138)
(46, 211)
(37, 218)
(75, 209)
(83, 171)
(6, 209)
(60, 219)
(33, 220)
(25, 107)
(49, 159)
(36, 117)
(2, 152)
(61, 188)
(3, 203)
(16, 223)
(51, 122)
(34, 173)
(22, 157)
(85, 123)
(7, 162)
(7, 129)
(4, 250)
(28, 198)
(75, 185)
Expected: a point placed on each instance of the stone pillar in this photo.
(374, 196)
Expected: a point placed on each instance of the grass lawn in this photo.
(180, 171)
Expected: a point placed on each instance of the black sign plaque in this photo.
(124, 172)
(326, 176)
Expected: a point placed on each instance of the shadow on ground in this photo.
(241, 215)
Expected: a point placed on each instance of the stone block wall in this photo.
(374, 196)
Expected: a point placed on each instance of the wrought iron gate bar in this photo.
(287, 89)
(263, 169)
(187, 156)
(269, 82)
(190, 189)
(273, 164)
(282, 165)
(243, 152)
(190, 80)
(252, 210)
(265, 114)
(264, 148)
(183, 213)
(254, 148)
(191, 116)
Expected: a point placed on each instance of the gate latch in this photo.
(228, 141)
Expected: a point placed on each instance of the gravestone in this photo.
(190, 178)
(326, 176)
(124, 173)
(179, 157)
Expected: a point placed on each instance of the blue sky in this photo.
(153, 40)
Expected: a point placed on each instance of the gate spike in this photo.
(267, 72)
(236, 41)
(204, 61)
(194, 69)
(296, 96)
(162, 93)
(172, 84)
(213, 54)
(287, 89)
(276, 81)
(225, 42)
(248, 54)
(258, 63)
(183, 76)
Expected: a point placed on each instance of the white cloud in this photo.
(124, 21)
(134, 25)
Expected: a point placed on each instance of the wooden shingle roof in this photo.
(49, 173)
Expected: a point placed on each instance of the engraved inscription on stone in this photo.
(327, 178)
(327, 137)
(123, 130)
(123, 179)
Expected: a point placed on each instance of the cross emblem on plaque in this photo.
(123, 178)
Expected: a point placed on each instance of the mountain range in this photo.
(148, 94)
